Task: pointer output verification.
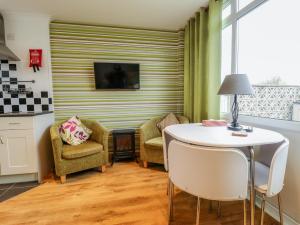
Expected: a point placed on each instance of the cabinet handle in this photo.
(1, 140)
(14, 123)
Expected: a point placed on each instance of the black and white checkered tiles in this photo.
(10, 102)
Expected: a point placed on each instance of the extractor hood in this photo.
(5, 52)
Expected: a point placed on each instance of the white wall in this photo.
(291, 190)
(25, 31)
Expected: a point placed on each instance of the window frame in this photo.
(232, 20)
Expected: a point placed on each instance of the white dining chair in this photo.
(246, 151)
(166, 141)
(209, 173)
(270, 168)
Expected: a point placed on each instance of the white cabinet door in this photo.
(17, 152)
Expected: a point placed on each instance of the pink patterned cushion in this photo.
(74, 132)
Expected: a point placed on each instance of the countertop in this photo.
(22, 114)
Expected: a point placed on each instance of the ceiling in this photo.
(158, 14)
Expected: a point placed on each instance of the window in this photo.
(226, 11)
(264, 44)
(226, 63)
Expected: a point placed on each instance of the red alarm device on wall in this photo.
(35, 59)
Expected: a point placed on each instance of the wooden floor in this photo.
(124, 195)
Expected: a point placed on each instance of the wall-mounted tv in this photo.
(117, 75)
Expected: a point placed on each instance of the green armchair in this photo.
(93, 153)
(151, 144)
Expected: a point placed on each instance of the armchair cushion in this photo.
(84, 149)
(74, 132)
(154, 143)
(168, 120)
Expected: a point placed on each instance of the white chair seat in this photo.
(269, 173)
(261, 177)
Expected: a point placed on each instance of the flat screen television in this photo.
(117, 75)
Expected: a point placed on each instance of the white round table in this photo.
(198, 134)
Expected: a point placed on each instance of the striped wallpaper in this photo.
(74, 49)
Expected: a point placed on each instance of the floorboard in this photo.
(124, 195)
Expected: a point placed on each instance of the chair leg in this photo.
(172, 199)
(168, 187)
(198, 211)
(63, 179)
(171, 192)
(280, 209)
(145, 164)
(219, 209)
(245, 212)
(263, 202)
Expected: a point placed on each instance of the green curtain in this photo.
(202, 63)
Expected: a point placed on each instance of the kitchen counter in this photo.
(22, 114)
(25, 146)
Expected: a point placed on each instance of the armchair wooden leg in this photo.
(63, 179)
(103, 168)
(145, 163)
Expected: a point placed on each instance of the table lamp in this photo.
(235, 84)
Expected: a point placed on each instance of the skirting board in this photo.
(18, 178)
(273, 212)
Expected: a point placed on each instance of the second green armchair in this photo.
(93, 153)
(151, 144)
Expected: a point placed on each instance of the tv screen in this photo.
(117, 75)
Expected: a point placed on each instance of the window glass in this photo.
(226, 11)
(226, 62)
(269, 46)
(226, 51)
(269, 52)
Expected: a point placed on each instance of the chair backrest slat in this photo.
(210, 173)
(277, 168)
(266, 153)
(167, 138)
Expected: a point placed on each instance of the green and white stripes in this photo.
(74, 49)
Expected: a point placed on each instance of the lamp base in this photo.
(234, 127)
